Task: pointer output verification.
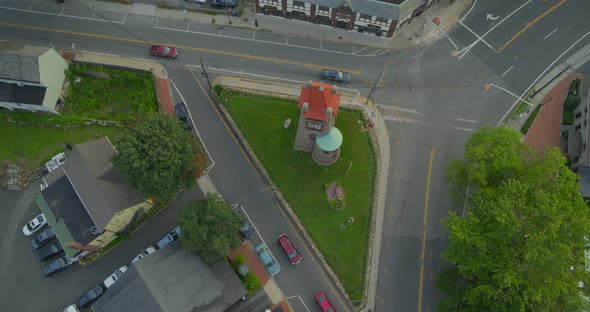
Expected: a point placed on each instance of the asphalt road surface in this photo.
(432, 98)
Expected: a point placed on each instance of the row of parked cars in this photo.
(50, 251)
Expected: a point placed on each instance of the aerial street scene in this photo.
(294, 155)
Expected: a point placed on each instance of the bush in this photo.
(572, 102)
(237, 262)
(529, 122)
(574, 87)
(251, 283)
(568, 117)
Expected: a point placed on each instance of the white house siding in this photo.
(52, 69)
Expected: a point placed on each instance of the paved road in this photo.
(431, 101)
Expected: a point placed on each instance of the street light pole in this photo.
(487, 87)
(227, 11)
(205, 74)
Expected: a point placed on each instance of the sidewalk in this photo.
(419, 31)
(380, 136)
(159, 73)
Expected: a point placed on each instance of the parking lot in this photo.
(25, 288)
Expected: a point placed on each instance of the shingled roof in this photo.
(102, 190)
(319, 96)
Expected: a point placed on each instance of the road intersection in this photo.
(432, 100)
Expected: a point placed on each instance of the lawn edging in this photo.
(280, 200)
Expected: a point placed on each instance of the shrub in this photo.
(572, 102)
(568, 117)
(529, 122)
(251, 283)
(574, 87)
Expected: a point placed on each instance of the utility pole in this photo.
(375, 86)
(227, 11)
(205, 74)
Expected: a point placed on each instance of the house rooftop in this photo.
(24, 94)
(65, 205)
(20, 62)
(319, 96)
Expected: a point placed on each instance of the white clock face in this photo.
(313, 125)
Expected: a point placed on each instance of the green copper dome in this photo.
(330, 141)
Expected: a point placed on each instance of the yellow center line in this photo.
(424, 223)
(529, 25)
(241, 55)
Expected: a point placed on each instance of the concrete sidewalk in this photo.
(379, 136)
(419, 31)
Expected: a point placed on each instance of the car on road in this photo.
(223, 3)
(144, 253)
(170, 237)
(289, 249)
(247, 230)
(50, 251)
(71, 308)
(182, 115)
(42, 238)
(269, 262)
(90, 296)
(113, 278)
(57, 265)
(34, 225)
(323, 302)
(335, 75)
(163, 51)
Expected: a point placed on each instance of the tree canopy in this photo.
(209, 227)
(159, 157)
(521, 244)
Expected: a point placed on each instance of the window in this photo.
(365, 17)
(585, 123)
(578, 115)
(382, 20)
(578, 127)
(314, 126)
(298, 4)
(323, 8)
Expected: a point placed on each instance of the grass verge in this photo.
(529, 122)
(302, 181)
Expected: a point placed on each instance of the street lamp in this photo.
(487, 87)
(227, 11)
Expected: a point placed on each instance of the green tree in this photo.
(209, 227)
(158, 157)
(524, 229)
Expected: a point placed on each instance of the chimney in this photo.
(309, 83)
(334, 89)
(329, 120)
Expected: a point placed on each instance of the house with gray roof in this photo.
(31, 78)
(87, 202)
(382, 18)
(173, 280)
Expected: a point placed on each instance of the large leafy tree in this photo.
(209, 227)
(520, 247)
(158, 157)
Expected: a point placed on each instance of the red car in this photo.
(289, 249)
(163, 51)
(323, 302)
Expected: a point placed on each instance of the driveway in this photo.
(22, 279)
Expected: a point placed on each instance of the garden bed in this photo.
(302, 182)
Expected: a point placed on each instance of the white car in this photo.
(72, 308)
(34, 225)
(144, 253)
(113, 278)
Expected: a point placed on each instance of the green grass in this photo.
(522, 106)
(124, 97)
(35, 145)
(529, 122)
(302, 181)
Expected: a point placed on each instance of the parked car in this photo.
(71, 308)
(289, 249)
(170, 237)
(223, 3)
(90, 296)
(197, 1)
(50, 251)
(57, 265)
(42, 238)
(113, 278)
(182, 115)
(163, 51)
(335, 75)
(271, 265)
(247, 230)
(34, 225)
(323, 302)
(144, 253)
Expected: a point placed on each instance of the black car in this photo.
(56, 266)
(246, 229)
(50, 251)
(90, 296)
(182, 114)
(335, 75)
(223, 3)
(42, 238)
